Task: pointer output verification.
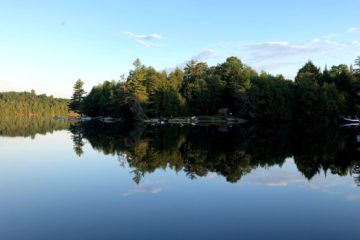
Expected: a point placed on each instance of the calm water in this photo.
(97, 181)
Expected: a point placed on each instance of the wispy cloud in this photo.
(152, 190)
(357, 43)
(274, 56)
(275, 50)
(278, 179)
(203, 56)
(353, 30)
(332, 35)
(206, 55)
(277, 65)
(288, 175)
(147, 40)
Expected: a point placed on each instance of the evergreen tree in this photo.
(309, 72)
(77, 97)
(136, 81)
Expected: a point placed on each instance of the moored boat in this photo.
(351, 120)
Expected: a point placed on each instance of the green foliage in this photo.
(309, 72)
(237, 79)
(168, 102)
(113, 99)
(29, 104)
(315, 95)
(77, 97)
(271, 98)
(176, 78)
(349, 86)
(194, 87)
(137, 82)
(317, 103)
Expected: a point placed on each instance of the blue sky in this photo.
(47, 45)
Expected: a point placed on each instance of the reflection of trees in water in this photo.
(77, 138)
(233, 153)
(30, 126)
(327, 149)
(356, 171)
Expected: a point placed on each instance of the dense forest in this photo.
(314, 95)
(28, 104)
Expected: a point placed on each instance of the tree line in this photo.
(314, 95)
(28, 104)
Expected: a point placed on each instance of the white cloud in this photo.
(332, 35)
(211, 175)
(205, 55)
(277, 65)
(142, 190)
(275, 56)
(276, 50)
(357, 43)
(276, 177)
(145, 39)
(288, 174)
(201, 57)
(353, 30)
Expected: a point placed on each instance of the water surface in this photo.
(61, 180)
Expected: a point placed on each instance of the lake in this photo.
(61, 180)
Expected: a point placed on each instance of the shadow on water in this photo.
(230, 152)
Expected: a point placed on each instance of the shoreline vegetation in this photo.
(226, 93)
(30, 104)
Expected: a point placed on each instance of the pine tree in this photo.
(77, 97)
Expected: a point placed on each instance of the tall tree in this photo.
(137, 80)
(309, 72)
(175, 78)
(77, 97)
(237, 78)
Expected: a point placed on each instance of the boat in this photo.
(351, 120)
(109, 120)
(350, 125)
(72, 118)
(85, 119)
(59, 118)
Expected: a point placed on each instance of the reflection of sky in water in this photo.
(47, 192)
(289, 175)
